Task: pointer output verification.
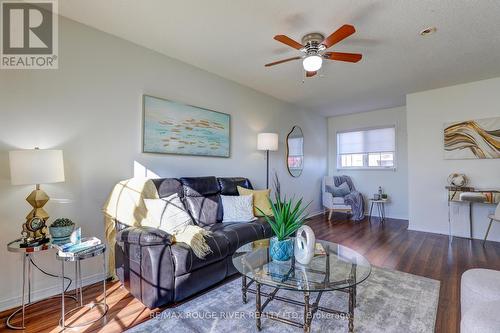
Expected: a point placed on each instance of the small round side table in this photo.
(27, 252)
(93, 252)
(380, 203)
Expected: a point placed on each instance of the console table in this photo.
(470, 195)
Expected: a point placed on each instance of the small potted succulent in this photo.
(61, 228)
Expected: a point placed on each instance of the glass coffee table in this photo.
(334, 268)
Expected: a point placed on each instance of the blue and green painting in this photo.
(174, 128)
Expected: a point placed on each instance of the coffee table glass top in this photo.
(333, 267)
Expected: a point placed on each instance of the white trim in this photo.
(320, 212)
(36, 295)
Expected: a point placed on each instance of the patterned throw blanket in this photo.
(353, 199)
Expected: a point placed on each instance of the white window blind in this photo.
(369, 141)
(370, 148)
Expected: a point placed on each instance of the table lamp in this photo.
(35, 167)
(267, 142)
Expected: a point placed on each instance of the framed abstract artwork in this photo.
(472, 139)
(174, 128)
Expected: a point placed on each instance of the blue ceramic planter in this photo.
(281, 250)
(61, 232)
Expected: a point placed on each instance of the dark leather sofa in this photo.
(158, 272)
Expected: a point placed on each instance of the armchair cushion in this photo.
(204, 210)
(341, 191)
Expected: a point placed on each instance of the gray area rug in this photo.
(388, 301)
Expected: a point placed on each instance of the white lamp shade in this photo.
(36, 166)
(267, 141)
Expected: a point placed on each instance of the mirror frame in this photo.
(288, 151)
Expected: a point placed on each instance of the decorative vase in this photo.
(61, 234)
(281, 250)
(305, 243)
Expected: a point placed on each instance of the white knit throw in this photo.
(194, 236)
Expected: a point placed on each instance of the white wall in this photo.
(394, 182)
(91, 108)
(427, 112)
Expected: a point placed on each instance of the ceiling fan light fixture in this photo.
(312, 63)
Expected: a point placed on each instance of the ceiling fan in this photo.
(314, 46)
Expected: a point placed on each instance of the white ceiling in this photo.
(234, 39)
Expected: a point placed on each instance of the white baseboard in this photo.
(314, 214)
(36, 295)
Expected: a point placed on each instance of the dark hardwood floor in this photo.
(390, 245)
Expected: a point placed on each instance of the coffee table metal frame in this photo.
(309, 308)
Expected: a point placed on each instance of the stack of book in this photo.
(86, 245)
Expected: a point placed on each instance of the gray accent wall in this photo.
(91, 109)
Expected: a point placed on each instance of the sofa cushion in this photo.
(338, 200)
(203, 210)
(229, 186)
(260, 200)
(482, 318)
(237, 233)
(185, 260)
(200, 186)
(478, 285)
(167, 214)
(237, 208)
(168, 186)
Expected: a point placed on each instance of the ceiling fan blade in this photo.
(343, 32)
(281, 61)
(341, 56)
(288, 41)
(311, 74)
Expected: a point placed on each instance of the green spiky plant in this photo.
(288, 214)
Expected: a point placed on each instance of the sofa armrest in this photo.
(144, 236)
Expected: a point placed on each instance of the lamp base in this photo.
(34, 229)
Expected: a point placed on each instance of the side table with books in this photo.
(87, 248)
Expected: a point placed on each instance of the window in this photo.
(367, 149)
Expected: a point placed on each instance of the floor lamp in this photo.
(267, 142)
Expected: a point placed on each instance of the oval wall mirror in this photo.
(295, 151)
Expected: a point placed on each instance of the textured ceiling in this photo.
(233, 38)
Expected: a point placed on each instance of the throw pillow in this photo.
(167, 214)
(260, 200)
(341, 191)
(237, 208)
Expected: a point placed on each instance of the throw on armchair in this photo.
(352, 202)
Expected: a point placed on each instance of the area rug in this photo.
(388, 301)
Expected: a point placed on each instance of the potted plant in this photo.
(61, 228)
(288, 217)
